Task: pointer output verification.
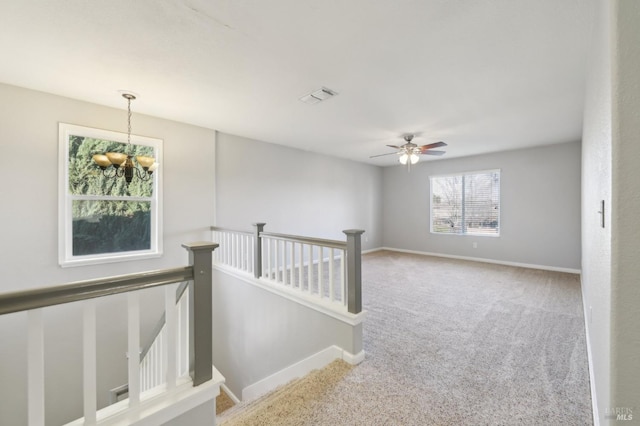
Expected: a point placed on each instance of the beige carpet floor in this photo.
(449, 342)
(223, 402)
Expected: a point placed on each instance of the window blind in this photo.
(467, 203)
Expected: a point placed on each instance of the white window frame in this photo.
(464, 234)
(65, 199)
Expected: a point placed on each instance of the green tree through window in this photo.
(106, 216)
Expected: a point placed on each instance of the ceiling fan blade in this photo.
(423, 148)
(430, 152)
(393, 146)
(380, 155)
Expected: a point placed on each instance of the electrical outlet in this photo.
(475, 245)
(366, 239)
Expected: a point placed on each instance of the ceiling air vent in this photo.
(318, 96)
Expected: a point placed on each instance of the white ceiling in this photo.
(481, 75)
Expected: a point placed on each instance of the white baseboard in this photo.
(484, 260)
(353, 359)
(373, 250)
(160, 404)
(300, 369)
(594, 398)
(230, 394)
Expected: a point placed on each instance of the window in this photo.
(103, 219)
(466, 203)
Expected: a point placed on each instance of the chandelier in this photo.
(116, 164)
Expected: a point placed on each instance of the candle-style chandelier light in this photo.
(116, 164)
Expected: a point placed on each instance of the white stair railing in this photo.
(198, 320)
(328, 271)
(156, 359)
(311, 266)
(236, 248)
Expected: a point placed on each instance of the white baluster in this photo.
(247, 253)
(35, 368)
(214, 238)
(284, 262)
(233, 250)
(184, 330)
(227, 251)
(267, 241)
(250, 253)
(243, 258)
(301, 267)
(321, 272)
(218, 253)
(310, 270)
(238, 261)
(158, 371)
(343, 279)
(182, 334)
(89, 355)
(223, 247)
(170, 315)
(134, 348)
(292, 265)
(144, 370)
(331, 274)
(276, 260)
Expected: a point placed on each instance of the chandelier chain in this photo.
(129, 120)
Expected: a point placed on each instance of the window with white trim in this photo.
(103, 219)
(466, 203)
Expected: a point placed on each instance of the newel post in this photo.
(354, 270)
(200, 311)
(257, 249)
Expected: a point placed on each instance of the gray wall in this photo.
(295, 192)
(611, 255)
(596, 186)
(203, 414)
(29, 242)
(540, 207)
(258, 333)
(625, 200)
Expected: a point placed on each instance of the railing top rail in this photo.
(82, 290)
(307, 240)
(234, 231)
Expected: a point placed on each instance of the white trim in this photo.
(332, 309)
(230, 394)
(463, 175)
(472, 172)
(299, 369)
(592, 379)
(158, 405)
(353, 359)
(373, 250)
(484, 260)
(65, 200)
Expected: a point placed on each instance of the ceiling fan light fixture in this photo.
(409, 153)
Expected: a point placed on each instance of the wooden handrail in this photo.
(89, 289)
(232, 231)
(306, 240)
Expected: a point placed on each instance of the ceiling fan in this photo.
(409, 153)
